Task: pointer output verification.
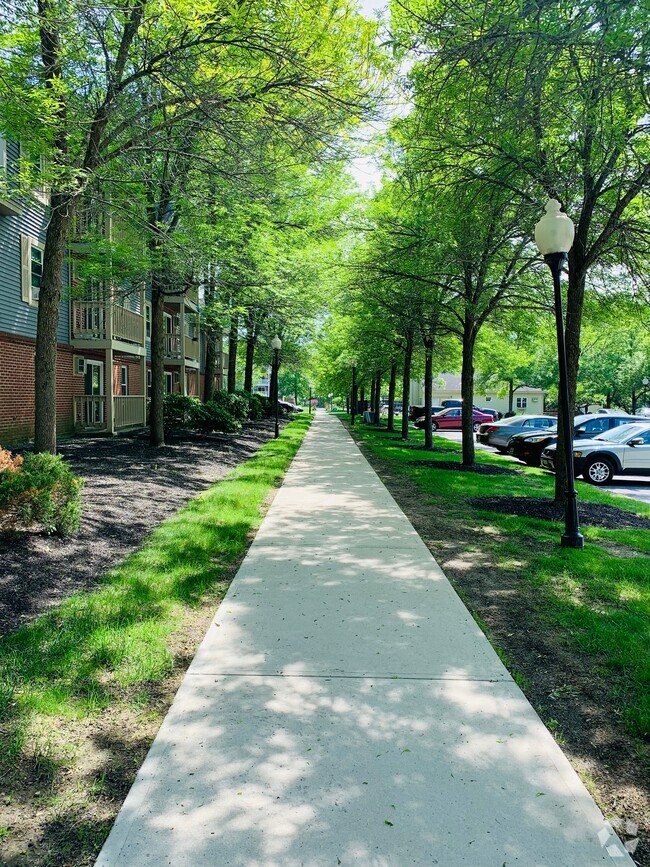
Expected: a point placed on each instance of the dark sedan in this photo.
(528, 447)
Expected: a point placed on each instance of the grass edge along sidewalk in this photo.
(84, 688)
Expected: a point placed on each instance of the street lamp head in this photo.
(554, 233)
(276, 343)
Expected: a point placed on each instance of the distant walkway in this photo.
(345, 709)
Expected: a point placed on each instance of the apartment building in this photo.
(104, 334)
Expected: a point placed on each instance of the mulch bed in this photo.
(418, 447)
(480, 469)
(130, 488)
(608, 517)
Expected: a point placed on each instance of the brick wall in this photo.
(133, 374)
(17, 388)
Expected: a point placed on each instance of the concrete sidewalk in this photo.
(344, 708)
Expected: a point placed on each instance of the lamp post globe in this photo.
(554, 235)
(276, 346)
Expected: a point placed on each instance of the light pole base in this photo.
(572, 540)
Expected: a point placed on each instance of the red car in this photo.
(452, 419)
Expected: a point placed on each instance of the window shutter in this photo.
(26, 268)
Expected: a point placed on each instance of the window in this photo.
(147, 320)
(149, 382)
(168, 382)
(124, 380)
(78, 365)
(3, 153)
(32, 268)
(596, 425)
(522, 402)
(168, 323)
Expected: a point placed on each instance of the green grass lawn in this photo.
(106, 650)
(599, 598)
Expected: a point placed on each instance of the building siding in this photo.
(17, 317)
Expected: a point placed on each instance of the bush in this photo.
(255, 405)
(212, 417)
(236, 404)
(41, 490)
(185, 411)
(179, 410)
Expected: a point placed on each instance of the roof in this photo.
(451, 382)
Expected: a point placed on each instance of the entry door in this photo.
(94, 389)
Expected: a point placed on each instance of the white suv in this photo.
(623, 451)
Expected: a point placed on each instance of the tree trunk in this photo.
(210, 366)
(391, 395)
(633, 402)
(428, 390)
(156, 420)
(251, 342)
(232, 356)
(406, 385)
(467, 394)
(511, 394)
(49, 308)
(373, 390)
(362, 401)
(377, 407)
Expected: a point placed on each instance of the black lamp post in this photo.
(276, 345)
(354, 392)
(554, 236)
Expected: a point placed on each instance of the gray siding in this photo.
(17, 317)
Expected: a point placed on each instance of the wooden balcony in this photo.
(177, 348)
(91, 413)
(106, 324)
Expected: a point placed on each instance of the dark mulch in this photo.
(608, 517)
(130, 488)
(418, 447)
(480, 469)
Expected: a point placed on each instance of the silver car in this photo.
(498, 433)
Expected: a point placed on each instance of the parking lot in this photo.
(634, 487)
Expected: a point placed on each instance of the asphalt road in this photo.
(634, 487)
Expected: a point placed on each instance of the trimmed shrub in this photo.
(179, 410)
(43, 490)
(236, 404)
(189, 412)
(255, 405)
(212, 417)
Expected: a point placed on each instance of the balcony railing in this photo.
(90, 411)
(90, 322)
(127, 325)
(173, 345)
(128, 410)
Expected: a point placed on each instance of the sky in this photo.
(365, 170)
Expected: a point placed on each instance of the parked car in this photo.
(622, 451)
(528, 447)
(489, 411)
(416, 412)
(452, 419)
(286, 406)
(498, 433)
